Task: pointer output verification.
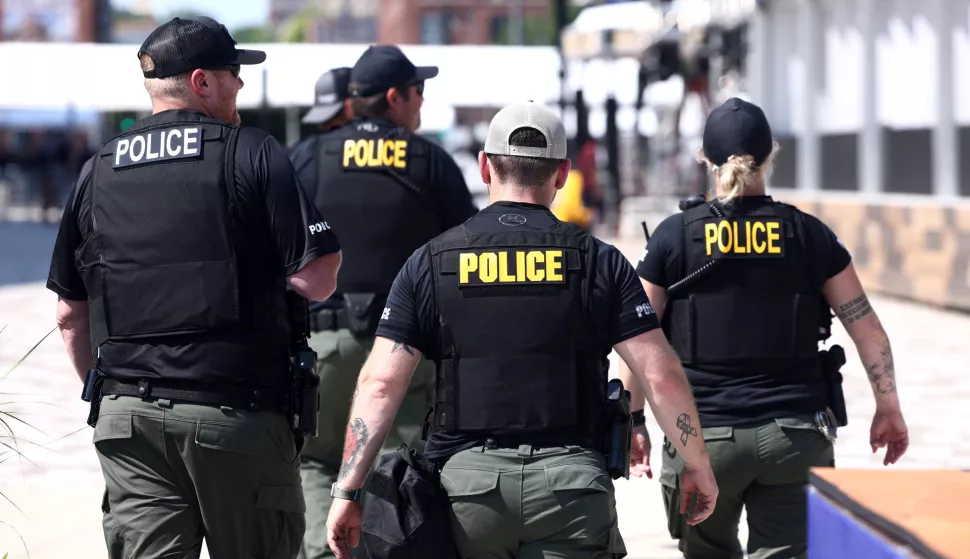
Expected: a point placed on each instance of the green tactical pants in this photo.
(340, 358)
(532, 503)
(763, 468)
(175, 472)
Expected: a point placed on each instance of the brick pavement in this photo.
(59, 490)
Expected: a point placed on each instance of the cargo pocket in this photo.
(587, 490)
(460, 484)
(230, 438)
(112, 427)
(807, 442)
(280, 522)
(114, 532)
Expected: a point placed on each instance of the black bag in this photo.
(362, 313)
(405, 510)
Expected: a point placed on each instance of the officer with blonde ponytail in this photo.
(744, 286)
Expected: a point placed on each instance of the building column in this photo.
(945, 180)
(809, 48)
(760, 61)
(292, 125)
(871, 153)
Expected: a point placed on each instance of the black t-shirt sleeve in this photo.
(64, 277)
(630, 311)
(304, 158)
(450, 188)
(409, 314)
(299, 233)
(661, 260)
(831, 254)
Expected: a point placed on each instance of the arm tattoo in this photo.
(399, 346)
(686, 429)
(882, 374)
(354, 442)
(854, 310)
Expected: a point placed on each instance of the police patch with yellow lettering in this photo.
(512, 266)
(375, 153)
(744, 238)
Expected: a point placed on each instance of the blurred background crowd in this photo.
(623, 135)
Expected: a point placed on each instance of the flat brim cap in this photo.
(737, 127)
(329, 94)
(382, 67)
(526, 115)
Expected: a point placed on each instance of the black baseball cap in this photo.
(185, 44)
(737, 128)
(328, 96)
(382, 67)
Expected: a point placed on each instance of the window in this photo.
(433, 31)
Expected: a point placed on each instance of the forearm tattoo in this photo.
(882, 373)
(398, 346)
(854, 310)
(686, 429)
(354, 442)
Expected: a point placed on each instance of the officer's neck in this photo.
(511, 193)
(161, 105)
(756, 188)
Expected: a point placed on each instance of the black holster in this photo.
(621, 430)
(832, 360)
(304, 397)
(406, 511)
(363, 313)
(92, 393)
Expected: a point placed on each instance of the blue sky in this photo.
(233, 13)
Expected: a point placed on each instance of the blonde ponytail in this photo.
(738, 174)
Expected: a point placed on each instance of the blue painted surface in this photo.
(834, 535)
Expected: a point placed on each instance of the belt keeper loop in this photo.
(144, 389)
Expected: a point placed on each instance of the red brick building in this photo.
(452, 22)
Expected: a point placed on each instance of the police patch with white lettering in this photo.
(157, 146)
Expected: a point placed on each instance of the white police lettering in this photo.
(644, 309)
(319, 227)
(386, 315)
(159, 145)
(644, 255)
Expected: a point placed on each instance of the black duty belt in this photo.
(329, 319)
(539, 441)
(261, 399)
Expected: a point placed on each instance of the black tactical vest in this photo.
(373, 191)
(164, 257)
(759, 305)
(519, 356)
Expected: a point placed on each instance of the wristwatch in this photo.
(638, 418)
(349, 494)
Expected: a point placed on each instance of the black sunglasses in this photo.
(232, 69)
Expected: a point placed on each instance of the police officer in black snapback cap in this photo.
(745, 288)
(385, 191)
(180, 250)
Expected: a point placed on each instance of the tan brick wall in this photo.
(912, 247)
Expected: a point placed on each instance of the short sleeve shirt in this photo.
(269, 199)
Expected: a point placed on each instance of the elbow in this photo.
(70, 315)
(318, 280)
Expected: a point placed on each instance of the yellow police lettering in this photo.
(535, 266)
(773, 236)
(733, 238)
(738, 248)
(553, 265)
(532, 271)
(756, 242)
(360, 153)
(400, 152)
(467, 263)
(387, 153)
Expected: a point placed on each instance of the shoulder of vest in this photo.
(455, 237)
(698, 212)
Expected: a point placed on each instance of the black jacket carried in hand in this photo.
(405, 511)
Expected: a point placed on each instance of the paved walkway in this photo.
(59, 488)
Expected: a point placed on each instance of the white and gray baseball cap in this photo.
(526, 115)
(328, 96)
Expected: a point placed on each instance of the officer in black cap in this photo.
(745, 286)
(520, 311)
(172, 266)
(386, 191)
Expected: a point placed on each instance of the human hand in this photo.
(889, 431)
(343, 527)
(640, 452)
(700, 481)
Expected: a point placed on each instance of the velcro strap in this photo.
(262, 399)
